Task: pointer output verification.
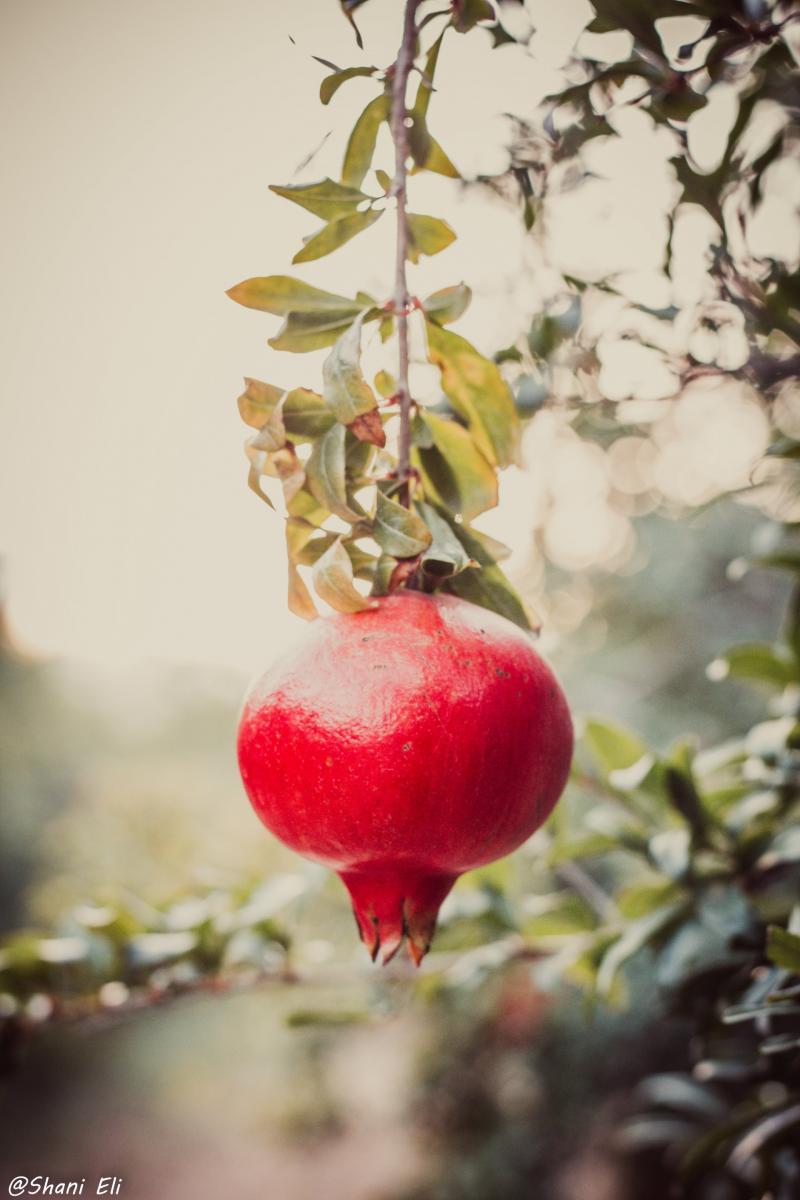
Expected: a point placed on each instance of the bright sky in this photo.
(138, 143)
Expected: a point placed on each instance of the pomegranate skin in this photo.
(402, 746)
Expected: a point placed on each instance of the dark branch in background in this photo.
(397, 125)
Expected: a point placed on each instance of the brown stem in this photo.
(399, 132)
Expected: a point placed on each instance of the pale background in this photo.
(138, 143)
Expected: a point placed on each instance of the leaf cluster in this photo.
(350, 514)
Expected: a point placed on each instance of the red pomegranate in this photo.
(402, 746)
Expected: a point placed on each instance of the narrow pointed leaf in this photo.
(361, 145)
(486, 585)
(398, 531)
(348, 7)
(457, 469)
(438, 162)
(336, 234)
(298, 535)
(418, 136)
(257, 459)
(326, 199)
(445, 555)
(448, 304)
(301, 332)
(325, 471)
(428, 235)
(281, 295)
(344, 387)
(333, 581)
(477, 391)
(331, 83)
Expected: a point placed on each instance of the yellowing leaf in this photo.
(305, 413)
(344, 387)
(298, 534)
(336, 234)
(280, 294)
(272, 434)
(398, 531)
(477, 391)
(333, 581)
(331, 83)
(437, 161)
(326, 199)
(428, 235)
(361, 145)
(455, 469)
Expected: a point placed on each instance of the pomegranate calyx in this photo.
(393, 903)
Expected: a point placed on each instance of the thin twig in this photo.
(397, 125)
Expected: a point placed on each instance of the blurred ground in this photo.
(130, 777)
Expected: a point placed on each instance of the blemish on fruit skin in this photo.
(329, 761)
(406, 746)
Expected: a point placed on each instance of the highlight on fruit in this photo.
(403, 746)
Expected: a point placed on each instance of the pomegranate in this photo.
(402, 746)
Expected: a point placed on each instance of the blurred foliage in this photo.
(622, 998)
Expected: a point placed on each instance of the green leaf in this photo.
(344, 387)
(783, 948)
(385, 384)
(477, 391)
(282, 295)
(347, 7)
(445, 554)
(613, 747)
(398, 531)
(557, 916)
(333, 581)
(467, 14)
(639, 899)
(639, 17)
(448, 304)
(361, 145)
(326, 199)
(756, 661)
(331, 83)
(437, 161)
(326, 474)
(455, 470)
(305, 413)
(336, 234)
(301, 332)
(637, 935)
(427, 235)
(587, 845)
(419, 139)
(486, 586)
